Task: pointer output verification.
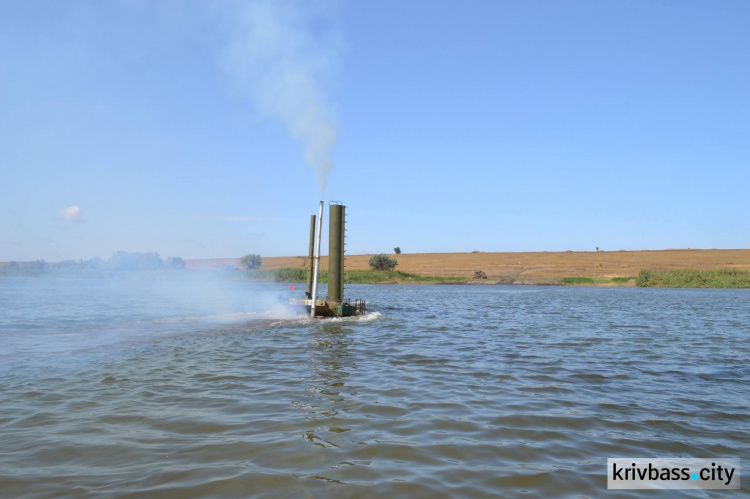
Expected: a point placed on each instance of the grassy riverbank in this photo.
(597, 281)
(291, 274)
(723, 278)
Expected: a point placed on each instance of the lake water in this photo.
(198, 388)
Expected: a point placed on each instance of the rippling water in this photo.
(131, 388)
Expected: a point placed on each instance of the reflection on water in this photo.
(326, 394)
(330, 363)
(444, 392)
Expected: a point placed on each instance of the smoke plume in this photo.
(286, 53)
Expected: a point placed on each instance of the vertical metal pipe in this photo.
(335, 254)
(343, 248)
(311, 258)
(317, 262)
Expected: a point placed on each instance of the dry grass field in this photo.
(540, 267)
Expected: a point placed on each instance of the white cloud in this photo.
(71, 214)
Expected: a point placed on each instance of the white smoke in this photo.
(284, 57)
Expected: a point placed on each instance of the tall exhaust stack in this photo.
(336, 231)
(311, 258)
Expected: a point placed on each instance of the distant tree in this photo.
(35, 266)
(597, 249)
(122, 260)
(397, 250)
(96, 263)
(150, 261)
(251, 261)
(67, 265)
(382, 262)
(175, 263)
(10, 268)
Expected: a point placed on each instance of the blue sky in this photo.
(459, 126)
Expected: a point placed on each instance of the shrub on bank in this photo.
(251, 261)
(382, 262)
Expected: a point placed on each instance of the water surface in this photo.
(135, 388)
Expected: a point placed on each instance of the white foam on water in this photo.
(232, 317)
(368, 317)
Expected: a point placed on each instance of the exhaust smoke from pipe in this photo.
(287, 60)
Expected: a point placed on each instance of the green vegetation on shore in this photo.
(577, 280)
(289, 274)
(377, 276)
(622, 280)
(724, 278)
(595, 281)
(350, 276)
